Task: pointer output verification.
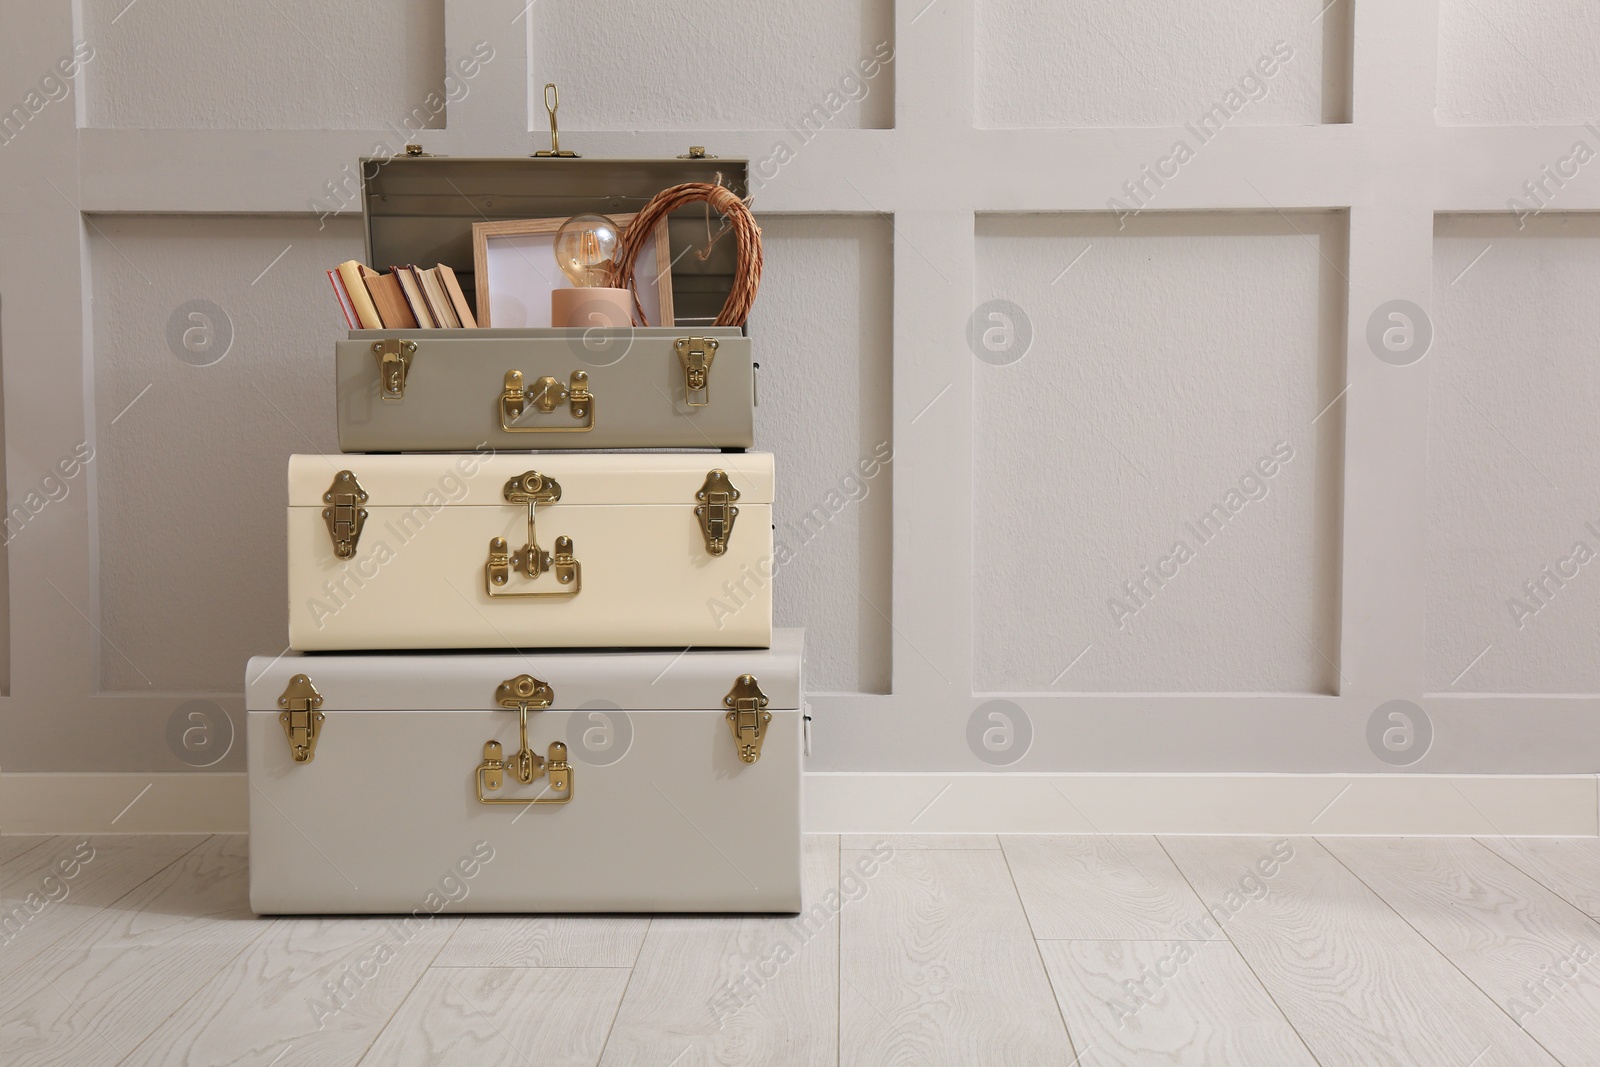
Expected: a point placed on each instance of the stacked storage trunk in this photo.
(481, 632)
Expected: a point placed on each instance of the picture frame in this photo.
(515, 266)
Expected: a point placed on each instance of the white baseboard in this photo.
(188, 803)
(1275, 804)
(1268, 804)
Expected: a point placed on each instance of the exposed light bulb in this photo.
(586, 248)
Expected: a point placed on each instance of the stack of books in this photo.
(407, 298)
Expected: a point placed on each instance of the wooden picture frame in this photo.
(515, 259)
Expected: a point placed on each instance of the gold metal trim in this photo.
(695, 355)
(545, 396)
(394, 364)
(525, 765)
(749, 718)
(716, 511)
(346, 516)
(301, 718)
(531, 561)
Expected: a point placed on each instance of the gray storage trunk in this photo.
(453, 390)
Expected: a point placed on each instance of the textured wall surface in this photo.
(822, 335)
(263, 64)
(710, 64)
(1512, 455)
(1165, 363)
(1157, 63)
(1515, 63)
(190, 478)
(1168, 360)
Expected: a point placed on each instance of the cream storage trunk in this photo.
(679, 383)
(663, 781)
(556, 550)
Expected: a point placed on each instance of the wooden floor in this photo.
(928, 951)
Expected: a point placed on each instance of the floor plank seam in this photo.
(243, 948)
(1050, 983)
(1440, 953)
(40, 950)
(1534, 878)
(1242, 957)
(42, 839)
(616, 1012)
(400, 1001)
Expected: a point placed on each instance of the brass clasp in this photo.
(525, 765)
(545, 396)
(531, 561)
(301, 717)
(749, 718)
(345, 516)
(716, 511)
(394, 363)
(695, 355)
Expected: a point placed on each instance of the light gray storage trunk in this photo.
(455, 394)
(658, 808)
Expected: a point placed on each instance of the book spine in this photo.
(366, 310)
(344, 301)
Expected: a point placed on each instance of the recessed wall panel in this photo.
(1513, 573)
(213, 362)
(821, 331)
(1514, 64)
(1262, 63)
(716, 64)
(1155, 497)
(282, 64)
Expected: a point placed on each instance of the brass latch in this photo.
(532, 488)
(749, 718)
(525, 765)
(346, 516)
(716, 511)
(696, 354)
(394, 363)
(545, 396)
(301, 717)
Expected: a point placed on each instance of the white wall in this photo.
(1170, 352)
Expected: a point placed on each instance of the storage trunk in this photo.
(546, 389)
(565, 550)
(664, 781)
(685, 384)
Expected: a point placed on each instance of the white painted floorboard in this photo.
(921, 951)
(1535, 954)
(938, 966)
(1358, 983)
(739, 989)
(1105, 888)
(546, 941)
(1177, 1003)
(1567, 866)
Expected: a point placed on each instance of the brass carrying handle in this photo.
(525, 765)
(531, 561)
(545, 395)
